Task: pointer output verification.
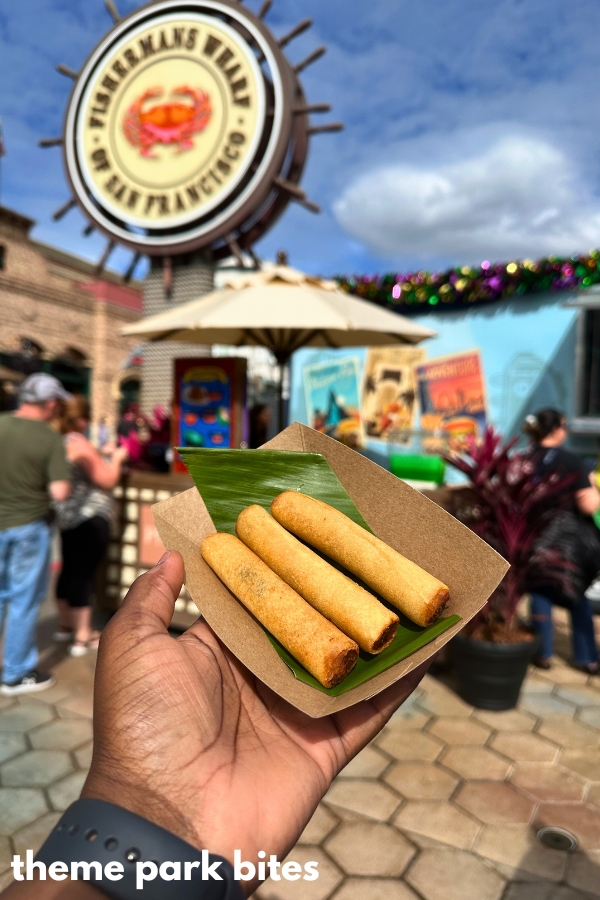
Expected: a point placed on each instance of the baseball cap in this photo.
(39, 388)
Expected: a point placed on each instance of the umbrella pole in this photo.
(281, 412)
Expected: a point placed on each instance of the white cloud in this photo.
(518, 198)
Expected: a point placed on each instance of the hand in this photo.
(108, 448)
(120, 454)
(187, 737)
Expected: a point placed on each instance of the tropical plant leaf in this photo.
(231, 480)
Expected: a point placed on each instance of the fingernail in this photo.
(163, 557)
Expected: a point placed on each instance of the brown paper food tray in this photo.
(397, 513)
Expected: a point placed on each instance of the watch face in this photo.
(176, 123)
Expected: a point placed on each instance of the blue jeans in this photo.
(24, 574)
(585, 651)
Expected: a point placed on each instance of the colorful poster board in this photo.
(389, 390)
(210, 404)
(452, 397)
(332, 391)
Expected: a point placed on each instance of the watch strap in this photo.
(96, 831)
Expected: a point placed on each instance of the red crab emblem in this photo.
(166, 123)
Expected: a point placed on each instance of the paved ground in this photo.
(443, 805)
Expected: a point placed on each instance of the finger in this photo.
(151, 598)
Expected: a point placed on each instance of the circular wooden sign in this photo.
(180, 126)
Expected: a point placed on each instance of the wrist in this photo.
(122, 852)
(144, 802)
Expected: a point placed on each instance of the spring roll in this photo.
(401, 582)
(317, 644)
(357, 613)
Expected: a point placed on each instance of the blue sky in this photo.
(472, 128)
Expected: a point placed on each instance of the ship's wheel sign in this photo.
(187, 127)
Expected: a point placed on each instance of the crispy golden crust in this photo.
(437, 604)
(401, 582)
(317, 644)
(355, 611)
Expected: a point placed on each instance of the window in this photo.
(589, 399)
(587, 371)
(26, 357)
(72, 355)
(2, 256)
(30, 348)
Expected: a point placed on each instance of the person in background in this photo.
(128, 433)
(33, 471)
(547, 430)
(260, 418)
(84, 520)
(102, 433)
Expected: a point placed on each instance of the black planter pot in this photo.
(490, 675)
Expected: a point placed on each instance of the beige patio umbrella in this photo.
(282, 309)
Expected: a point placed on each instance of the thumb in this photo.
(151, 598)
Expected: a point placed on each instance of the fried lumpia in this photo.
(317, 644)
(401, 582)
(357, 613)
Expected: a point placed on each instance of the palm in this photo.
(231, 765)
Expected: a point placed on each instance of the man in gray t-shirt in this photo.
(34, 471)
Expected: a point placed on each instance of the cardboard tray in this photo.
(397, 513)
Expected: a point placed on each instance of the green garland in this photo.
(465, 287)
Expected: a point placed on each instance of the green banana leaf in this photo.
(231, 480)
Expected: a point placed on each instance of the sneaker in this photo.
(80, 648)
(33, 681)
(63, 635)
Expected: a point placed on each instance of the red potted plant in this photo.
(509, 506)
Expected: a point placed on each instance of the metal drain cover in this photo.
(557, 838)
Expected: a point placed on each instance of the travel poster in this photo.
(452, 397)
(389, 391)
(332, 391)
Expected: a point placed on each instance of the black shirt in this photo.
(555, 459)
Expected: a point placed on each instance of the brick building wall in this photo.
(55, 300)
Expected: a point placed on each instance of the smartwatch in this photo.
(148, 857)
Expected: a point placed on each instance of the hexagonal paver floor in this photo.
(363, 848)
(524, 747)
(11, 744)
(37, 768)
(495, 804)
(438, 821)
(19, 807)
(576, 818)
(24, 717)
(367, 798)
(443, 805)
(330, 877)
(476, 763)
(63, 733)
(421, 781)
(454, 875)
